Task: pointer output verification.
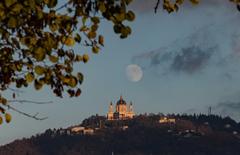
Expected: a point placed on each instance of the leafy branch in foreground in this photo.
(38, 36)
(173, 5)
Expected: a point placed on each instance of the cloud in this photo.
(213, 50)
(227, 108)
(188, 55)
(224, 109)
(229, 105)
(191, 59)
(235, 41)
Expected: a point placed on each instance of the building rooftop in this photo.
(121, 101)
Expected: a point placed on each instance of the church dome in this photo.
(121, 101)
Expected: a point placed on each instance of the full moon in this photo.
(134, 72)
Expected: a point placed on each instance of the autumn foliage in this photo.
(38, 36)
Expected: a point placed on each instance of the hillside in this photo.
(143, 135)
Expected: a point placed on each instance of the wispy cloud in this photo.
(235, 106)
(215, 46)
(191, 59)
(227, 108)
(188, 55)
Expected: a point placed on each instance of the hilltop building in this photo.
(122, 111)
(167, 120)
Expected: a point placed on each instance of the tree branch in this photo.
(156, 6)
(15, 90)
(28, 101)
(63, 6)
(26, 114)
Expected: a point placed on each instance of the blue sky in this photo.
(163, 88)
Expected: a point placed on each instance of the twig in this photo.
(28, 101)
(26, 114)
(63, 6)
(15, 90)
(156, 6)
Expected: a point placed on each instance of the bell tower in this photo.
(131, 107)
(130, 113)
(110, 112)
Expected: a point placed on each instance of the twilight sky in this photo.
(190, 61)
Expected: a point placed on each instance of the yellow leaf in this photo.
(72, 82)
(102, 7)
(179, 2)
(78, 92)
(17, 8)
(39, 54)
(92, 34)
(29, 77)
(8, 117)
(39, 70)
(120, 16)
(130, 16)
(78, 58)
(84, 28)
(2, 14)
(94, 27)
(46, 1)
(53, 59)
(12, 22)
(66, 80)
(3, 101)
(85, 58)
(53, 27)
(95, 49)
(38, 85)
(69, 41)
(195, 1)
(1, 120)
(101, 40)
(95, 20)
(125, 31)
(80, 77)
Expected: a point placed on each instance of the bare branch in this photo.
(26, 114)
(28, 101)
(63, 6)
(156, 6)
(15, 90)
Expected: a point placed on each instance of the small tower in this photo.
(110, 112)
(130, 111)
(110, 107)
(209, 111)
(131, 107)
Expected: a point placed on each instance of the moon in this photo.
(134, 72)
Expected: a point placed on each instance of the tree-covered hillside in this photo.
(143, 135)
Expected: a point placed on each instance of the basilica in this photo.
(122, 111)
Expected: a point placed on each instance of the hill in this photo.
(143, 135)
